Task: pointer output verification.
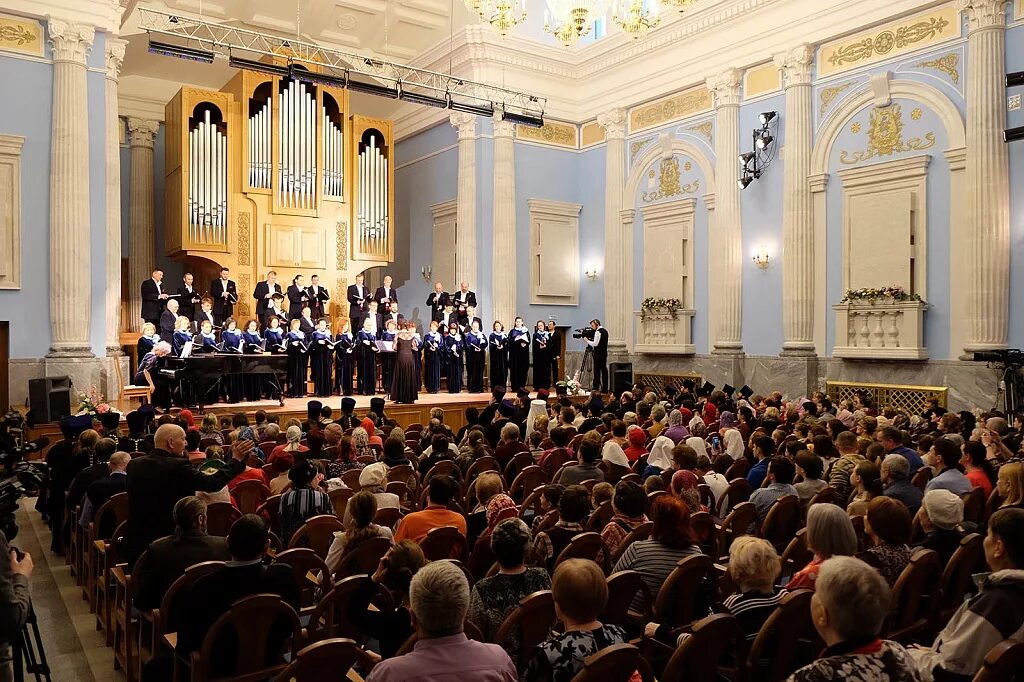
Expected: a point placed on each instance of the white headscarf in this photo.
(698, 445)
(661, 453)
(695, 421)
(733, 440)
(538, 408)
(613, 453)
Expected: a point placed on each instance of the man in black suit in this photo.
(244, 576)
(385, 295)
(358, 297)
(167, 320)
(102, 489)
(297, 297)
(393, 314)
(463, 299)
(167, 559)
(224, 294)
(599, 342)
(188, 297)
(264, 293)
(372, 314)
(437, 301)
(318, 297)
(158, 480)
(153, 297)
(275, 310)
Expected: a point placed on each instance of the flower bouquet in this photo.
(92, 403)
(870, 295)
(651, 305)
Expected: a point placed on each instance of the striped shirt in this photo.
(654, 561)
(298, 506)
(751, 609)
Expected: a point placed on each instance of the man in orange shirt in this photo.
(440, 492)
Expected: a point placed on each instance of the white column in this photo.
(70, 228)
(465, 215)
(618, 313)
(115, 55)
(987, 186)
(503, 268)
(797, 214)
(141, 233)
(727, 238)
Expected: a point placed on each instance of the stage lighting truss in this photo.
(754, 163)
(374, 75)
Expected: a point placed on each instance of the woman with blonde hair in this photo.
(362, 507)
(1010, 484)
(209, 429)
(829, 533)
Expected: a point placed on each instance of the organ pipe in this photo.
(207, 202)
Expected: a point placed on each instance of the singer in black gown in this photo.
(405, 383)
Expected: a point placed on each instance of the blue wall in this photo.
(1015, 62)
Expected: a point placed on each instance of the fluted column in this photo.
(727, 241)
(115, 55)
(141, 232)
(504, 250)
(987, 186)
(618, 288)
(465, 213)
(797, 213)
(70, 276)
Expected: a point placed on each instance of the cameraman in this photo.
(599, 342)
(14, 602)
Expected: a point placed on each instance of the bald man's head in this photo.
(170, 437)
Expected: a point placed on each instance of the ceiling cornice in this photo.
(105, 15)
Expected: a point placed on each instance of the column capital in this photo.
(501, 128)
(982, 14)
(614, 123)
(142, 132)
(795, 65)
(70, 41)
(465, 124)
(726, 87)
(114, 52)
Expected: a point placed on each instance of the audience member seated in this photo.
(686, 486)
(573, 509)
(979, 471)
(829, 533)
(892, 440)
(628, 503)
(304, 501)
(166, 559)
(888, 524)
(439, 598)
(896, 482)
(940, 517)
(780, 484)
(359, 526)
(764, 448)
(810, 467)
(509, 445)
(1010, 484)
(848, 609)
(676, 431)
(209, 430)
(994, 614)
(714, 480)
(390, 627)
(288, 450)
(280, 482)
(492, 599)
(945, 458)
(580, 591)
(101, 490)
(589, 456)
(867, 485)
(436, 514)
(438, 451)
(486, 486)
(843, 468)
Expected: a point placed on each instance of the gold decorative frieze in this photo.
(669, 182)
(21, 35)
(948, 64)
(885, 137)
(704, 129)
(591, 133)
(552, 133)
(899, 37)
(761, 80)
(672, 108)
(636, 147)
(828, 95)
(244, 242)
(242, 307)
(342, 245)
(1018, 11)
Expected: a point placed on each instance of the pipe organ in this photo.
(276, 173)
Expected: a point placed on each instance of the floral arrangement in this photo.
(571, 385)
(650, 305)
(92, 403)
(894, 293)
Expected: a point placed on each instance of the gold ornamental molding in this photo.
(591, 133)
(21, 35)
(242, 312)
(705, 130)
(891, 40)
(244, 239)
(676, 107)
(885, 136)
(1018, 10)
(669, 182)
(551, 133)
(898, 396)
(761, 80)
(341, 240)
(636, 147)
(948, 64)
(828, 95)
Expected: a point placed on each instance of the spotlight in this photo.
(1014, 79)
(764, 141)
(180, 51)
(261, 67)
(465, 107)
(767, 117)
(524, 119)
(323, 79)
(745, 181)
(421, 98)
(1013, 134)
(388, 91)
(746, 158)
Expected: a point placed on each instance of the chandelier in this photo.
(502, 15)
(681, 5)
(636, 17)
(570, 20)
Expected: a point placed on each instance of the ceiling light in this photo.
(524, 119)
(390, 91)
(321, 78)
(422, 98)
(570, 20)
(681, 5)
(636, 17)
(745, 181)
(261, 67)
(501, 15)
(181, 51)
(767, 117)
(485, 109)
(764, 141)
(746, 158)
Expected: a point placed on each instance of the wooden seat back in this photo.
(914, 595)
(220, 516)
(525, 482)
(616, 662)
(781, 522)
(328, 659)
(532, 619)
(304, 561)
(677, 598)
(623, 586)
(362, 559)
(787, 640)
(250, 495)
(968, 559)
(443, 543)
(737, 492)
(585, 546)
(1003, 662)
(698, 657)
(317, 533)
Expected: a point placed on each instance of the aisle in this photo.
(74, 650)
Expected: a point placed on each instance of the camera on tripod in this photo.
(583, 333)
(1009, 356)
(12, 450)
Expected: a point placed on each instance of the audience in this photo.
(390, 624)
(977, 468)
(436, 514)
(589, 455)
(809, 466)
(764, 448)
(573, 509)
(944, 457)
(829, 533)
(895, 473)
(940, 517)
(843, 468)
(304, 501)
(1010, 484)
(867, 485)
(359, 526)
(780, 484)
(888, 524)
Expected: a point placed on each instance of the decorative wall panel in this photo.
(672, 108)
(10, 211)
(761, 80)
(591, 134)
(554, 252)
(21, 35)
(552, 133)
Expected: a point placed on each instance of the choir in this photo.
(361, 356)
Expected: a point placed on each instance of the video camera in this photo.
(583, 333)
(1009, 356)
(11, 450)
(27, 480)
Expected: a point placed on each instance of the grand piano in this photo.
(196, 380)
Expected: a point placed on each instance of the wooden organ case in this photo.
(275, 173)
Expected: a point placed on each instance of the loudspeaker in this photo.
(621, 376)
(50, 398)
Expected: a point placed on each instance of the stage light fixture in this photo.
(746, 158)
(389, 91)
(421, 98)
(181, 51)
(465, 107)
(1013, 134)
(767, 117)
(321, 79)
(745, 181)
(1014, 79)
(260, 67)
(764, 141)
(524, 119)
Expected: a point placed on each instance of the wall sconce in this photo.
(591, 273)
(427, 272)
(761, 258)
